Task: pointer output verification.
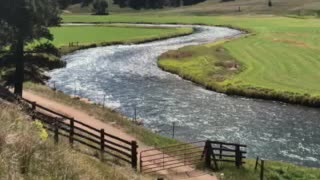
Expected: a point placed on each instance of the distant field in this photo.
(216, 7)
(281, 59)
(86, 35)
(210, 7)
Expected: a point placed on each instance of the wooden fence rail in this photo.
(77, 131)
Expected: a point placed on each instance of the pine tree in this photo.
(24, 21)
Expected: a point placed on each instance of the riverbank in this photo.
(213, 67)
(104, 114)
(29, 152)
(267, 72)
(67, 37)
(277, 170)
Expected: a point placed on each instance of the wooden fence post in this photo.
(101, 144)
(134, 153)
(34, 105)
(33, 116)
(56, 133)
(262, 170)
(213, 158)
(140, 163)
(71, 131)
(257, 161)
(238, 154)
(173, 129)
(207, 154)
(240, 157)
(221, 151)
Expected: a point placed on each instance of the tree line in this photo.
(134, 4)
(152, 4)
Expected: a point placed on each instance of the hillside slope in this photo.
(216, 7)
(304, 7)
(27, 152)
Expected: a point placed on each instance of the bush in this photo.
(47, 47)
(100, 7)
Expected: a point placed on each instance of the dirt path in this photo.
(177, 173)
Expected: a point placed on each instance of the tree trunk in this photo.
(19, 74)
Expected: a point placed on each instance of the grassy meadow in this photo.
(279, 60)
(274, 171)
(98, 34)
(280, 7)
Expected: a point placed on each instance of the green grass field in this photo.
(280, 7)
(87, 35)
(207, 65)
(274, 171)
(280, 60)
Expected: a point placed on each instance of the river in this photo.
(128, 76)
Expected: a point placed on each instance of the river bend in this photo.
(128, 77)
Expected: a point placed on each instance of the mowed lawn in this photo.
(86, 35)
(282, 54)
(285, 57)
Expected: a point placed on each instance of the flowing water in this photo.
(127, 76)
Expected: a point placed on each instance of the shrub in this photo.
(100, 6)
(47, 47)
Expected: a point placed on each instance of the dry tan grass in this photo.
(25, 154)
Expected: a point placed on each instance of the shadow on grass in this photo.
(6, 95)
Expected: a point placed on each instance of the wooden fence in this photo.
(216, 151)
(77, 131)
